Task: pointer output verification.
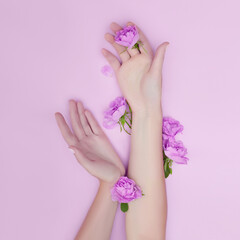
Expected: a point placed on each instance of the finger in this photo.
(83, 119)
(121, 50)
(93, 123)
(159, 58)
(65, 130)
(112, 60)
(115, 27)
(75, 120)
(145, 46)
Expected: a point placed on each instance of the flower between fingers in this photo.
(128, 36)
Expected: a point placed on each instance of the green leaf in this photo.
(136, 45)
(167, 167)
(122, 120)
(166, 174)
(124, 207)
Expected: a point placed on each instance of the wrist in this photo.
(104, 193)
(108, 185)
(148, 114)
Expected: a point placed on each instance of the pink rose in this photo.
(171, 127)
(128, 36)
(125, 190)
(174, 150)
(115, 111)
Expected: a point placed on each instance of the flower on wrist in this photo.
(124, 191)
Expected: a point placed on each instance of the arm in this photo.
(99, 220)
(146, 218)
(95, 153)
(139, 77)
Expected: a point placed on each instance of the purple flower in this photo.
(165, 140)
(125, 190)
(171, 127)
(128, 36)
(115, 111)
(175, 150)
(107, 71)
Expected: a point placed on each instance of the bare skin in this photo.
(95, 153)
(139, 75)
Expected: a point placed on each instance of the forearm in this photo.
(146, 218)
(99, 220)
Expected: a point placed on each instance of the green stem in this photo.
(142, 46)
(130, 112)
(126, 130)
(129, 119)
(120, 126)
(123, 51)
(128, 125)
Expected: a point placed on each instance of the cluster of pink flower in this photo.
(119, 112)
(173, 150)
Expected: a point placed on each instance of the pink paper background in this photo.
(50, 52)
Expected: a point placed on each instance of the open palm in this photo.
(91, 146)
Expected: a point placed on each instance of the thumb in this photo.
(159, 58)
(86, 163)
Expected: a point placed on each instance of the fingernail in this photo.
(71, 150)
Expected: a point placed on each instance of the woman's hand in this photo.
(140, 73)
(91, 146)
